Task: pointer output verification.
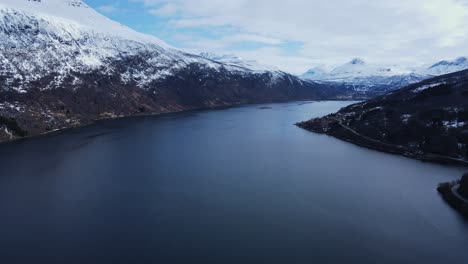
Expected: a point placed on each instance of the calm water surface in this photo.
(241, 185)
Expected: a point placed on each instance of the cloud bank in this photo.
(297, 34)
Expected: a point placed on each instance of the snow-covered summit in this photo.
(77, 16)
(362, 76)
(357, 61)
(358, 68)
(367, 76)
(316, 73)
(444, 67)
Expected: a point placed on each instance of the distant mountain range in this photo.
(64, 65)
(360, 76)
(426, 120)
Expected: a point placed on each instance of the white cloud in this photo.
(227, 41)
(333, 31)
(165, 10)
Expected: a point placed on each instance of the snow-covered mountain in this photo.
(445, 67)
(364, 77)
(75, 15)
(63, 64)
(316, 73)
(356, 68)
(68, 35)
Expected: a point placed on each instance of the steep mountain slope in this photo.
(428, 120)
(63, 64)
(372, 80)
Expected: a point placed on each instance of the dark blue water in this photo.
(241, 185)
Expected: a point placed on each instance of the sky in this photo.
(297, 35)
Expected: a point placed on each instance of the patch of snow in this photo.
(453, 124)
(405, 118)
(7, 105)
(8, 132)
(428, 86)
(375, 108)
(19, 90)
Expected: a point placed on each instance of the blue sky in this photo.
(211, 38)
(295, 35)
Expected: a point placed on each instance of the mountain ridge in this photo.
(376, 79)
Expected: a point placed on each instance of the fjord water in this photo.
(241, 185)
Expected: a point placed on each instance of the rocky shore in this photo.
(329, 126)
(456, 194)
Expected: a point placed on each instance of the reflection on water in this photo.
(242, 185)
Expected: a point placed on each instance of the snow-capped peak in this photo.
(358, 68)
(316, 73)
(364, 76)
(357, 61)
(77, 14)
(457, 62)
(368, 76)
(461, 60)
(444, 67)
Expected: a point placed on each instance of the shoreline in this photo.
(446, 190)
(60, 130)
(388, 148)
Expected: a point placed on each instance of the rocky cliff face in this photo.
(63, 64)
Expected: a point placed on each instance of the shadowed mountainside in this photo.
(427, 121)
